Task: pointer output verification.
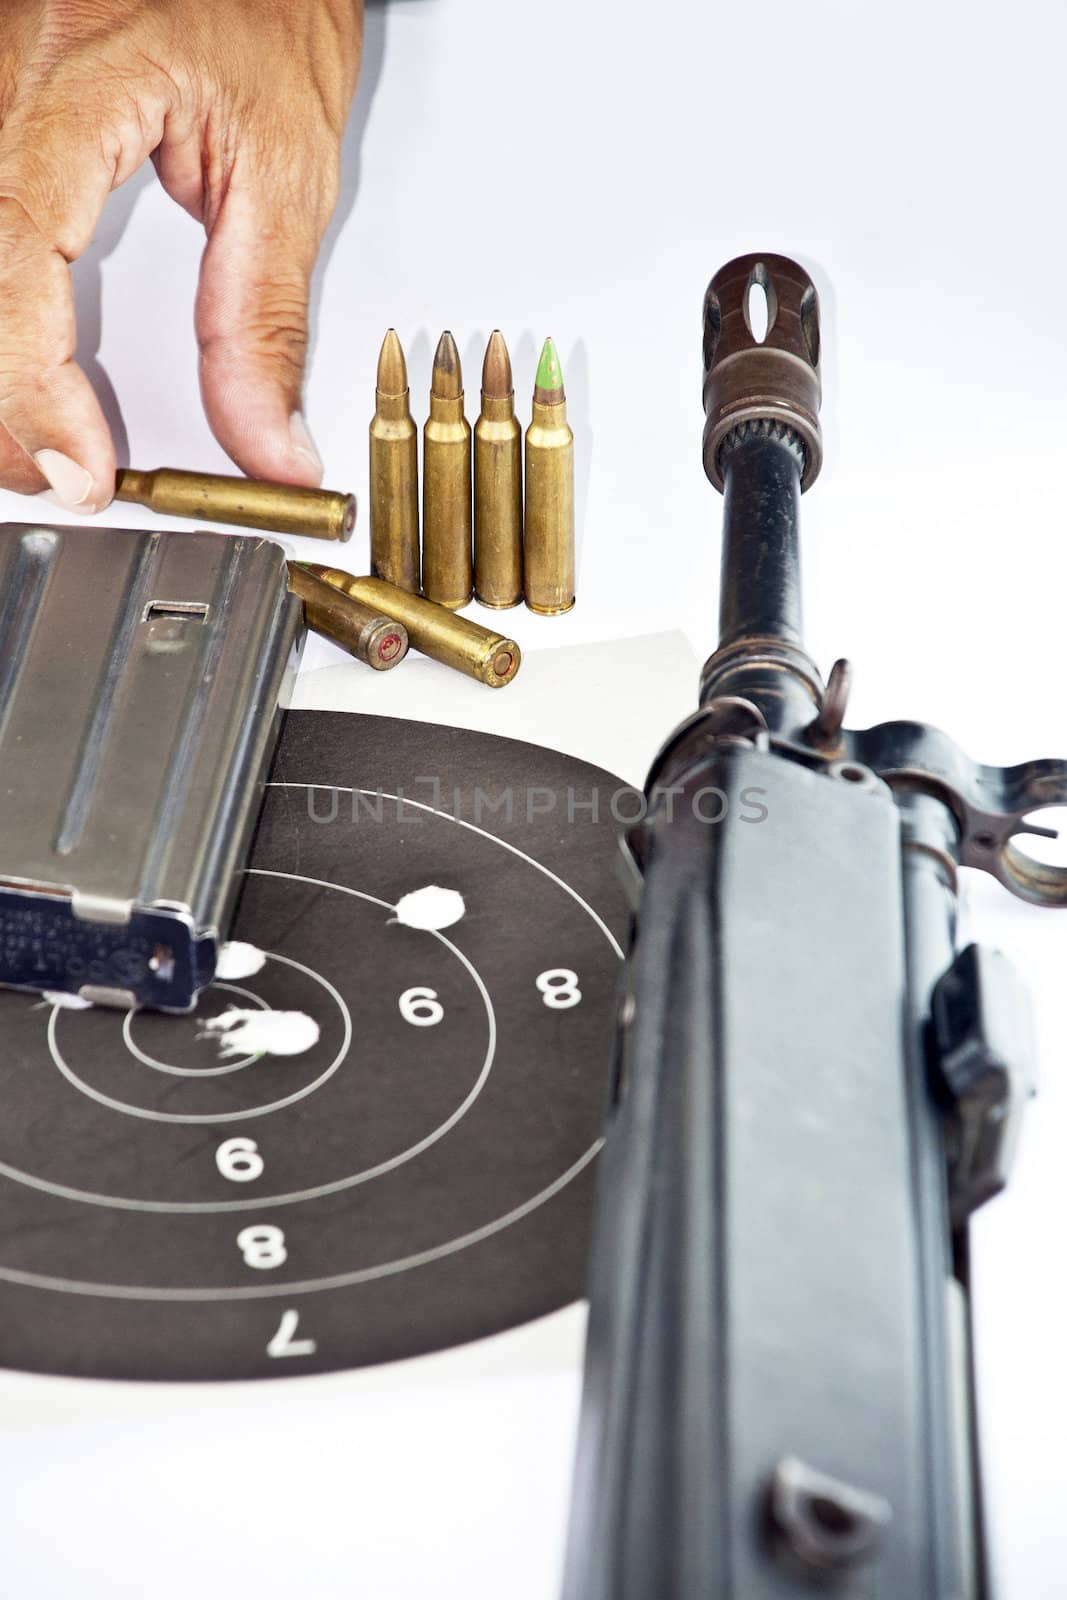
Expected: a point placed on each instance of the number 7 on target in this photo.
(283, 1343)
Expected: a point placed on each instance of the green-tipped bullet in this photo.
(548, 555)
(548, 385)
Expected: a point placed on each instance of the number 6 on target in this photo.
(421, 1007)
(239, 1160)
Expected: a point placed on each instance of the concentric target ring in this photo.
(317, 1191)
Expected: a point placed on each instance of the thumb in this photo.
(251, 326)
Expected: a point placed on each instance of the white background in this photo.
(581, 170)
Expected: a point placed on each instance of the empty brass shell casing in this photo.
(548, 539)
(433, 629)
(248, 502)
(447, 569)
(394, 474)
(360, 629)
(497, 485)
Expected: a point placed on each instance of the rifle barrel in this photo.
(760, 592)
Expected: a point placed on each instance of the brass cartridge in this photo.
(433, 629)
(497, 485)
(548, 548)
(447, 570)
(248, 502)
(394, 473)
(360, 629)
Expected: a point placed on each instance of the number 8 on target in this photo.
(263, 1246)
(559, 988)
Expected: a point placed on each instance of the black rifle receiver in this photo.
(814, 1090)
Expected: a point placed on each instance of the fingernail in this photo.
(71, 483)
(303, 443)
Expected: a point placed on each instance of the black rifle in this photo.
(814, 1090)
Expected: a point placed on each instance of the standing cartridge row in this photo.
(474, 541)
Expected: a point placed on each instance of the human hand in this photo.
(241, 104)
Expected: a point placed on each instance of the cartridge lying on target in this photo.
(247, 502)
(360, 629)
(141, 678)
(433, 629)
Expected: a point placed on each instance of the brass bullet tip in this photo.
(496, 370)
(548, 385)
(447, 380)
(392, 368)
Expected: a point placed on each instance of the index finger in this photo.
(58, 163)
